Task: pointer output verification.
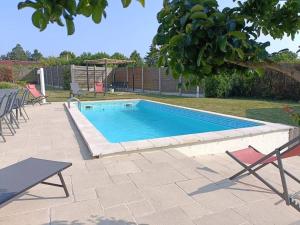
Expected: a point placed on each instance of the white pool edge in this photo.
(98, 145)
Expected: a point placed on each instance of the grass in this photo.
(266, 110)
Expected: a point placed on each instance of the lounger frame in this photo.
(252, 168)
(42, 181)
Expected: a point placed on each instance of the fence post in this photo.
(52, 80)
(142, 78)
(159, 80)
(198, 92)
(87, 77)
(46, 76)
(127, 77)
(57, 75)
(72, 73)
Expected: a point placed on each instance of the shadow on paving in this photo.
(273, 115)
(94, 220)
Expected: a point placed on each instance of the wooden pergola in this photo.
(104, 62)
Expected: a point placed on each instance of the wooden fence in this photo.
(153, 80)
(54, 75)
(135, 79)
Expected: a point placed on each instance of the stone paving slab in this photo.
(162, 187)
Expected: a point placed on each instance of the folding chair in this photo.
(252, 160)
(38, 97)
(99, 87)
(75, 89)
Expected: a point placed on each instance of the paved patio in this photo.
(151, 188)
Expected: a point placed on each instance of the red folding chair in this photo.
(252, 160)
(99, 87)
(38, 97)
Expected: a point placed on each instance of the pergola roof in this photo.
(108, 61)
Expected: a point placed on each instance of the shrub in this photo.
(6, 74)
(218, 86)
(67, 79)
(8, 85)
(243, 84)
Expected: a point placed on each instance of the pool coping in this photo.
(99, 146)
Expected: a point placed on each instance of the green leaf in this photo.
(238, 34)
(39, 19)
(28, 3)
(198, 15)
(260, 71)
(59, 22)
(70, 26)
(142, 2)
(97, 12)
(240, 53)
(222, 43)
(36, 17)
(197, 8)
(126, 3)
(71, 6)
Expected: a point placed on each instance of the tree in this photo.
(284, 56)
(67, 55)
(55, 11)
(100, 55)
(197, 39)
(36, 55)
(17, 53)
(152, 56)
(136, 57)
(118, 55)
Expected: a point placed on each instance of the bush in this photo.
(218, 86)
(6, 74)
(8, 85)
(67, 79)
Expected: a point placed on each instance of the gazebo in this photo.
(104, 62)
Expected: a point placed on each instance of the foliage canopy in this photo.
(55, 11)
(197, 38)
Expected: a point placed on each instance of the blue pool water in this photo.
(121, 121)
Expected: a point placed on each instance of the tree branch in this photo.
(285, 68)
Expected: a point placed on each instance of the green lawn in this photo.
(256, 109)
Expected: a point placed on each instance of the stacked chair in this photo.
(10, 101)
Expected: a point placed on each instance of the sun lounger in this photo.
(20, 177)
(38, 97)
(253, 160)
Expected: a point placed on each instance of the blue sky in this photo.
(124, 30)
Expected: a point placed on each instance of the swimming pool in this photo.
(125, 126)
(123, 121)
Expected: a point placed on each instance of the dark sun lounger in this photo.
(20, 177)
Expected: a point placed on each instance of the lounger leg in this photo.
(24, 112)
(288, 173)
(14, 119)
(1, 131)
(12, 130)
(283, 180)
(63, 184)
(253, 172)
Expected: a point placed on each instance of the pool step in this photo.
(295, 203)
